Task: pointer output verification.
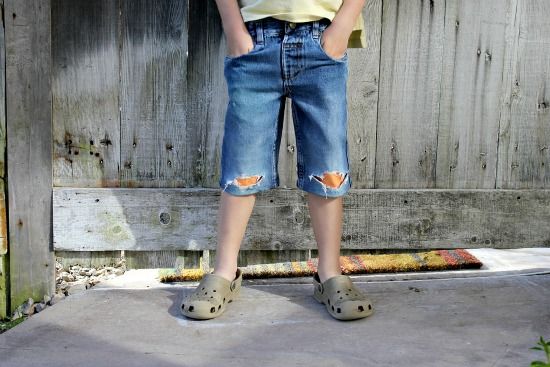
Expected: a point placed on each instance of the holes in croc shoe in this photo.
(205, 293)
(191, 308)
(219, 306)
(332, 308)
(224, 300)
(211, 296)
(347, 294)
(183, 306)
(329, 301)
(340, 297)
(212, 309)
(202, 288)
(360, 308)
(214, 290)
(349, 289)
(338, 310)
(369, 306)
(337, 291)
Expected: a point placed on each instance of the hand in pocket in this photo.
(334, 42)
(239, 45)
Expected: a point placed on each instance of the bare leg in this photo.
(233, 216)
(326, 218)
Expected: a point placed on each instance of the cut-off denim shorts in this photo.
(287, 61)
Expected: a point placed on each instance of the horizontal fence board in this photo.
(87, 219)
(88, 259)
(183, 259)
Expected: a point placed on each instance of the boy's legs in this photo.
(326, 220)
(233, 216)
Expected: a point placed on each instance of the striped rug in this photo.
(409, 261)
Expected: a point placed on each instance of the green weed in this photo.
(6, 324)
(546, 348)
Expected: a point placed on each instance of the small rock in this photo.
(28, 307)
(46, 299)
(39, 307)
(119, 271)
(120, 263)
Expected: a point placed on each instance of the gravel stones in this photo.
(69, 281)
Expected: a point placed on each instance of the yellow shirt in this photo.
(301, 11)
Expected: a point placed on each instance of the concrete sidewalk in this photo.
(486, 317)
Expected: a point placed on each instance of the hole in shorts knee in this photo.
(334, 179)
(248, 181)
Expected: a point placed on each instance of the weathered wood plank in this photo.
(185, 219)
(175, 258)
(3, 99)
(287, 158)
(474, 55)
(88, 258)
(162, 259)
(410, 75)
(85, 92)
(207, 97)
(153, 93)
(4, 261)
(3, 218)
(29, 147)
(4, 284)
(524, 146)
(363, 88)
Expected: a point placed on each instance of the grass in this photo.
(6, 324)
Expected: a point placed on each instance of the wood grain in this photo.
(185, 219)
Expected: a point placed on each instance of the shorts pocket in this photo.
(319, 46)
(256, 47)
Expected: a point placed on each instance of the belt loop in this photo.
(259, 32)
(315, 30)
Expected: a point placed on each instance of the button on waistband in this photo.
(292, 25)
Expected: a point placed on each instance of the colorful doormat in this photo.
(351, 264)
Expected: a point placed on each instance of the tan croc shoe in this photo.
(211, 296)
(343, 300)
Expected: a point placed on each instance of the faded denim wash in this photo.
(287, 61)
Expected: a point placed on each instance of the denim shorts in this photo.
(287, 61)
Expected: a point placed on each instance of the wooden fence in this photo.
(115, 113)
